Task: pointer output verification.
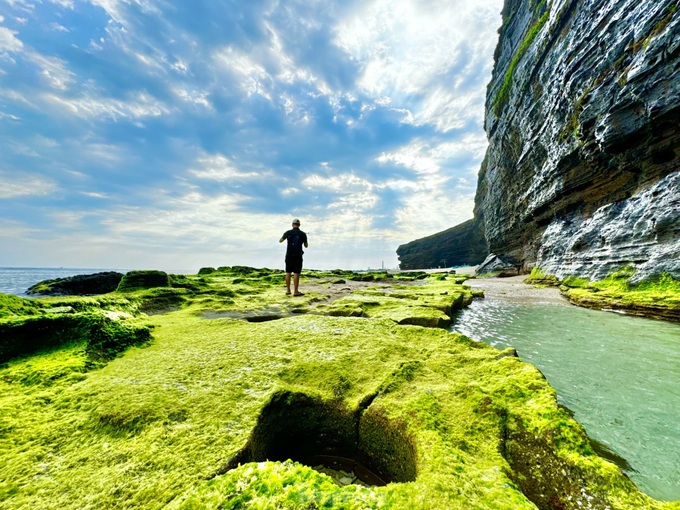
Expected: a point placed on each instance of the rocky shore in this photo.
(217, 390)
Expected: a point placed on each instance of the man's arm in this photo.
(306, 245)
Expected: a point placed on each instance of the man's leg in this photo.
(296, 282)
(288, 283)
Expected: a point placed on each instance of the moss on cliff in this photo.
(501, 97)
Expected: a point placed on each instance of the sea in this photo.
(17, 280)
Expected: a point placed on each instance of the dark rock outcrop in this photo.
(79, 285)
(582, 173)
(458, 246)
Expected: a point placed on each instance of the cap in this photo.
(296, 221)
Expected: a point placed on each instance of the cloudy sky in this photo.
(177, 134)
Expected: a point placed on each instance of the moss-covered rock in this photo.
(657, 298)
(541, 279)
(226, 413)
(135, 280)
(79, 285)
(14, 306)
(101, 337)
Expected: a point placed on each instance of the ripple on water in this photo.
(618, 374)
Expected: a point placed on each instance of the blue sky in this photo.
(180, 134)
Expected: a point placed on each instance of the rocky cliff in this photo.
(461, 245)
(582, 173)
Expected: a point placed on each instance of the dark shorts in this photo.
(293, 264)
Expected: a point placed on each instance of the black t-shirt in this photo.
(296, 240)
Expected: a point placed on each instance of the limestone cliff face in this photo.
(582, 173)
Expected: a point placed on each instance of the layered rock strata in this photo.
(583, 120)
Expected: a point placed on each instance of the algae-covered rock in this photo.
(136, 280)
(224, 413)
(657, 297)
(14, 306)
(79, 285)
(101, 337)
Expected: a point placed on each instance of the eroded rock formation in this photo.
(582, 173)
(461, 245)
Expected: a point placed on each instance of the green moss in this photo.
(135, 280)
(449, 421)
(504, 92)
(575, 282)
(102, 338)
(428, 305)
(14, 306)
(540, 278)
(658, 297)
(658, 27)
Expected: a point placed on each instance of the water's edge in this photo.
(617, 374)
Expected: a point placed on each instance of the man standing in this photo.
(296, 240)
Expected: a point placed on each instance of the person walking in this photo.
(296, 240)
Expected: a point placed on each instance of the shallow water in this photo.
(620, 375)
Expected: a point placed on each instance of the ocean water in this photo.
(17, 280)
(618, 374)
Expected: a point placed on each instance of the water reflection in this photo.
(619, 375)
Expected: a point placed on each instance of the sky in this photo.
(180, 134)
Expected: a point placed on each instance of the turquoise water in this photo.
(620, 375)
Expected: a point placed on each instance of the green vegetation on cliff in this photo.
(501, 97)
(227, 408)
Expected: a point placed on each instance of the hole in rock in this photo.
(351, 446)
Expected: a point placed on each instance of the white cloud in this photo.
(420, 62)
(58, 27)
(8, 41)
(353, 195)
(66, 4)
(140, 106)
(408, 47)
(116, 8)
(252, 76)
(94, 194)
(9, 116)
(219, 168)
(431, 160)
(198, 97)
(53, 69)
(427, 211)
(22, 4)
(25, 185)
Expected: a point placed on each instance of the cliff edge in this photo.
(582, 173)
